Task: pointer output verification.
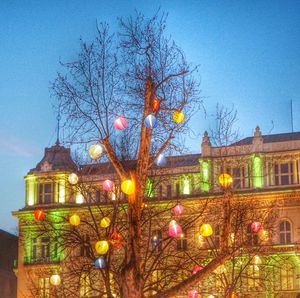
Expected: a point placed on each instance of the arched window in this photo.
(252, 238)
(285, 232)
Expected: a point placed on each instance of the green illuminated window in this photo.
(257, 171)
(205, 171)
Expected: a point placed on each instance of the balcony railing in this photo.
(40, 260)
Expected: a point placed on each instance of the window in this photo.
(177, 190)
(217, 236)
(41, 250)
(287, 273)
(252, 238)
(182, 242)
(46, 193)
(44, 288)
(156, 240)
(284, 173)
(253, 277)
(160, 191)
(85, 285)
(169, 191)
(240, 176)
(285, 232)
(85, 248)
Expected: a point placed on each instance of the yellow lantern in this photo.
(73, 178)
(75, 220)
(206, 230)
(102, 247)
(128, 187)
(105, 222)
(263, 235)
(95, 151)
(55, 280)
(178, 117)
(225, 180)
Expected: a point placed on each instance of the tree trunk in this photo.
(132, 282)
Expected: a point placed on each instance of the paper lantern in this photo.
(193, 294)
(197, 268)
(150, 121)
(225, 180)
(263, 234)
(108, 185)
(172, 222)
(161, 160)
(95, 151)
(128, 187)
(206, 230)
(257, 260)
(178, 117)
(100, 263)
(120, 123)
(39, 214)
(102, 247)
(55, 280)
(156, 105)
(178, 209)
(116, 239)
(75, 220)
(256, 227)
(234, 295)
(175, 230)
(105, 222)
(73, 178)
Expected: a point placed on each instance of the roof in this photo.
(56, 158)
(280, 137)
(172, 162)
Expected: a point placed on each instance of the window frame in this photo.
(285, 232)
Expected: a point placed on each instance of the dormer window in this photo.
(46, 193)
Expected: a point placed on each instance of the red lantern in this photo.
(193, 294)
(116, 239)
(156, 105)
(178, 210)
(108, 185)
(197, 268)
(256, 227)
(39, 214)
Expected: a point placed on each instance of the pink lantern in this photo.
(175, 230)
(197, 268)
(193, 294)
(256, 227)
(108, 185)
(178, 210)
(120, 123)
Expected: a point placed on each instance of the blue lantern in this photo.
(150, 121)
(100, 263)
(161, 160)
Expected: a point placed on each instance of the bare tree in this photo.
(125, 74)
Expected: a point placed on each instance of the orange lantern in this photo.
(116, 239)
(225, 180)
(156, 105)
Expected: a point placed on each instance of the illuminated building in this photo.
(265, 168)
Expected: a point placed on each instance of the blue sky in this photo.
(248, 51)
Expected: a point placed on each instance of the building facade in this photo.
(266, 181)
(8, 262)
